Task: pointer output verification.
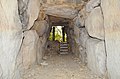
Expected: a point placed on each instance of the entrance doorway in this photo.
(58, 35)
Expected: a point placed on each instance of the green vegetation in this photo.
(58, 34)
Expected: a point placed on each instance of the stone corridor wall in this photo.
(10, 38)
(17, 17)
(93, 32)
(95, 45)
(112, 36)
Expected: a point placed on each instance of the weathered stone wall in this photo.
(95, 45)
(52, 47)
(82, 42)
(61, 11)
(28, 11)
(16, 17)
(63, 1)
(111, 12)
(106, 15)
(10, 38)
(93, 33)
(94, 24)
(29, 50)
(96, 56)
(42, 27)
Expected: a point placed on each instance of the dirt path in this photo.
(60, 67)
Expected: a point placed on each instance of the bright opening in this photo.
(58, 33)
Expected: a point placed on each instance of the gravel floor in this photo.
(60, 67)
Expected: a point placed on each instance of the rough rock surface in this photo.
(62, 1)
(82, 15)
(92, 4)
(53, 47)
(96, 56)
(10, 38)
(61, 11)
(82, 40)
(76, 21)
(40, 27)
(33, 11)
(28, 11)
(83, 37)
(1, 72)
(76, 34)
(94, 24)
(42, 44)
(75, 38)
(111, 12)
(29, 49)
(79, 20)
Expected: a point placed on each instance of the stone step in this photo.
(64, 49)
(63, 45)
(63, 53)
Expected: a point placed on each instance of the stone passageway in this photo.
(91, 28)
(58, 66)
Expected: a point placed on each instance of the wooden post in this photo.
(63, 34)
(53, 34)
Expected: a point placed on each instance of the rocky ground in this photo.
(57, 66)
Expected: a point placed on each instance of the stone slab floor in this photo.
(60, 67)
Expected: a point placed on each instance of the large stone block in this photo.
(76, 35)
(33, 11)
(82, 14)
(41, 46)
(29, 49)
(1, 72)
(96, 56)
(111, 12)
(92, 4)
(63, 1)
(94, 24)
(82, 40)
(83, 37)
(29, 11)
(10, 38)
(79, 21)
(61, 11)
(76, 21)
(41, 27)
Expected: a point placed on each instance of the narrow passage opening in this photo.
(58, 34)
